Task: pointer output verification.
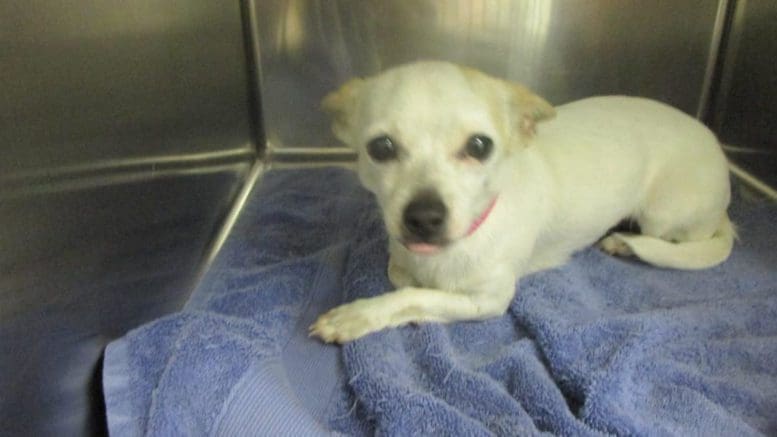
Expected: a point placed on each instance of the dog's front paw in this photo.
(348, 322)
(614, 245)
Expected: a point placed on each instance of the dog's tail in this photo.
(687, 255)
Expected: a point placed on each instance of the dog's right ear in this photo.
(340, 106)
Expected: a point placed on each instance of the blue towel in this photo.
(599, 346)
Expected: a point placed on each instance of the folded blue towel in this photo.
(599, 346)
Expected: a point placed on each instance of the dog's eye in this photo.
(479, 147)
(382, 149)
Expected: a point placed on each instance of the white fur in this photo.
(600, 160)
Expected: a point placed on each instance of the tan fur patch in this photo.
(339, 105)
(530, 107)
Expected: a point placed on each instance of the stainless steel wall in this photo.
(565, 50)
(126, 129)
(745, 110)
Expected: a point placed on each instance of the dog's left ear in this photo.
(531, 109)
(528, 108)
(340, 106)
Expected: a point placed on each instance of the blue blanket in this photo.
(599, 346)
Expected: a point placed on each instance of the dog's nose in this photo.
(425, 215)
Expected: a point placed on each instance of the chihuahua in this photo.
(481, 182)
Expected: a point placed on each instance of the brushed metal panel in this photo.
(563, 49)
(126, 130)
(104, 80)
(79, 267)
(746, 108)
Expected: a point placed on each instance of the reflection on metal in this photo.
(753, 181)
(746, 105)
(564, 50)
(126, 131)
(257, 169)
(712, 61)
(118, 171)
(79, 267)
(254, 75)
(729, 53)
(735, 150)
(306, 155)
(111, 80)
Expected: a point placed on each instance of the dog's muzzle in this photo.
(425, 218)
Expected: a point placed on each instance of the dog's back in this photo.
(645, 161)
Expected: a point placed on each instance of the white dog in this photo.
(475, 194)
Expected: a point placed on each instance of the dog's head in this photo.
(434, 142)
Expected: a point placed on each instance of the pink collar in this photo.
(479, 221)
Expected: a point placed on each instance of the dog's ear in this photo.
(531, 109)
(340, 106)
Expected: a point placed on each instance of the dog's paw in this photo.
(348, 322)
(614, 245)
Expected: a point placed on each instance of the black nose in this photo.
(425, 215)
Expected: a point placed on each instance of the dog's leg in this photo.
(614, 244)
(409, 304)
(699, 247)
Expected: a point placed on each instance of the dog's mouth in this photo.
(425, 248)
(433, 247)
